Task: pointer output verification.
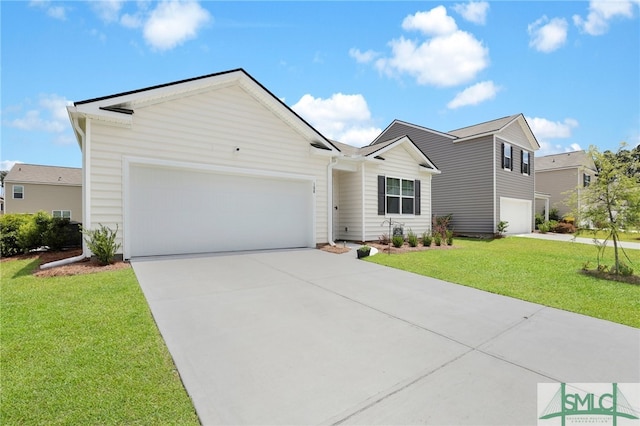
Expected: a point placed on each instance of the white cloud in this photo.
(434, 22)
(448, 60)
(50, 116)
(473, 11)
(8, 164)
(174, 22)
(363, 57)
(548, 35)
(601, 12)
(107, 10)
(56, 12)
(547, 130)
(474, 95)
(131, 21)
(345, 118)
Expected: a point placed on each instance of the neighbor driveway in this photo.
(309, 337)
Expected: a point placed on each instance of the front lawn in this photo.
(83, 350)
(545, 272)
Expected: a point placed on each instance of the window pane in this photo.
(407, 187)
(18, 191)
(507, 151)
(393, 205)
(393, 186)
(66, 214)
(57, 213)
(407, 206)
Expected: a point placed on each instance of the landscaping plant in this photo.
(449, 238)
(102, 243)
(426, 239)
(502, 228)
(412, 238)
(397, 241)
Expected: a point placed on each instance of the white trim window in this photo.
(63, 214)
(400, 195)
(18, 192)
(586, 180)
(526, 168)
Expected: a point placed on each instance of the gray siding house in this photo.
(563, 176)
(487, 172)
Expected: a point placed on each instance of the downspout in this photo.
(330, 167)
(85, 181)
(364, 223)
(495, 201)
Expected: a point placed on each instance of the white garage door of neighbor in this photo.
(518, 213)
(177, 211)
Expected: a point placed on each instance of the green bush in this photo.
(426, 239)
(397, 241)
(31, 234)
(102, 243)
(544, 227)
(502, 227)
(625, 270)
(554, 214)
(412, 238)
(9, 230)
(437, 239)
(61, 233)
(539, 219)
(449, 237)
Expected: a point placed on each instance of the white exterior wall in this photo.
(204, 128)
(398, 163)
(350, 206)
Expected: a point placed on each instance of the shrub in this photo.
(564, 228)
(31, 234)
(102, 242)
(62, 233)
(449, 238)
(502, 228)
(437, 239)
(539, 219)
(383, 239)
(9, 233)
(554, 214)
(426, 239)
(412, 238)
(569, 219)
(625, 270)
(441, 224)
(544, 227)
(364, 251)
(397, 240)
(552, 224)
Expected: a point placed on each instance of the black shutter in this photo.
(416, 188)
(512, 158)
(381, 195)
(503, 155)
(522, 161)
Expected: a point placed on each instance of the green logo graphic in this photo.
(578, 402)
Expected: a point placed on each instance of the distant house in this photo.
(1, 205)
(487, 172)
(563, 176)
(30, 188)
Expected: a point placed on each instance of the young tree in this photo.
(611, 202)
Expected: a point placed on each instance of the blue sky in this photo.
(349, 68)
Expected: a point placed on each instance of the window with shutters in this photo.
(525, 162)
(400, 196)
(507, 161)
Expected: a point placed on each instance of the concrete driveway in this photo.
(309, 337)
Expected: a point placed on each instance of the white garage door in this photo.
(177, 211)
(518, 213)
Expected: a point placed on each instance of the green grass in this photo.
(83, 350)
(545, 272)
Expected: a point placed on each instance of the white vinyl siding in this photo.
(349, 205)
(397, 162)
(205, 128)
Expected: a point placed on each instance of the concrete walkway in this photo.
(309, 337)
(580, 240)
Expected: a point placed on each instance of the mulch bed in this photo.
(86, 266)
(629, 279)
(384, 248)
(337, 249)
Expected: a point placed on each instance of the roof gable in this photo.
(120, 108)
(381, 137)
(565, 160)
(49, 175)
(513, 128)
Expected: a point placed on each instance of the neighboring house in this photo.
(563, 176)
(218, 163)
(487, 172)
(30, 188)
(1, 205)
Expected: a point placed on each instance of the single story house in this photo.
(31, 188)
(219, 163)
(563, 176)
(487, 172)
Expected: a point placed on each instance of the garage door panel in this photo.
(518, 213)
(180, 211)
